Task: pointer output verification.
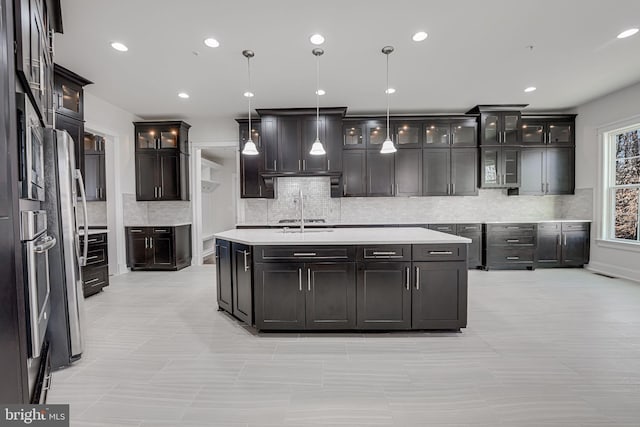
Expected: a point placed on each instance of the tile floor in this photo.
(544, 348)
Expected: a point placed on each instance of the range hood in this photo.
(334, 179)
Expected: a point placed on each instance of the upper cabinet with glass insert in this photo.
(548, 130)
(450, 133)
(364, 133)
(69, 93)
(499, 124)
(162, 136)
(406, 133)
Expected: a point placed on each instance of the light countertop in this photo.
(409, 224)
(159, 225)
(342, 236)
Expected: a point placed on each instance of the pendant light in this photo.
(249, 146)
(317, 149)
(387, 145)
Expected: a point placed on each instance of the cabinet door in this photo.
(380, 173)
(146, 176)
(241, 283)
(474, 249)
(533, 132)
(560, 133)
(279, 295)
(575, 246)
(75, 128)
(223, 275)
(375, 133)
(490, 129)
(331, 295)
(147, 137)
(407, 134)
(384, 295)
(511, 167)
(464, 172)
(312, 162)
(490, 164)
(162, 250)
(560, 170)
(92, 176)
(408, 169)
(289, 159)
(137, 246)
(269, 129)
(436, 134)
(70, 98)
(169, 137)
(333, 143)
(464, 133)
(533, 177)
(511, 131)
(439, 296)
(548, 249)
(353, 135)
(354, 173)
(436, 172)
(169, 175)
(93, 144)
(250, 179)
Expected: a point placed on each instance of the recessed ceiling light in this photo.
(627, 33)
(211, 42)
(183, 95)
(316, 39)
(419, 36)
(320, 92)
(530, 89)
(248, 94)
(390, 90)
(119, 46)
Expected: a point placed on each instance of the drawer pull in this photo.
(514, 227)
(88, 282)
(135, 231)
(93, 240)
(440, 253)
(470, 228)
(442, 228)
(159, 230)
(385, 253)
(93, 257)
(513, 240)
(513, 258)
(304, 254)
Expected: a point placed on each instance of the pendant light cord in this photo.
(387, 91)
(317, 97)
(250, 94)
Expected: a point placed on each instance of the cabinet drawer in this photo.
(95, 278)
(278, 253)
(491, 228)
(95, 239)
(443, 228)
(549, 226)
(162, 230)
(507, 255)
(510, 239)
(97, 255)
(567, 226)
(443, 252)
(393, 252)
(469, 228)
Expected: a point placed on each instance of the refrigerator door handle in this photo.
(83, 258)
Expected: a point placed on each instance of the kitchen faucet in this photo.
(301, 210)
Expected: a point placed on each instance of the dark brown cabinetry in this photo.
(354, 172)
(242, 289)
(252, 184)
(471, 231)
(224, 281)
(95, 274)
(94, 167)
(450, 172)
(159, 248)
(380, 174)
(499, 166)
(548, 130)
(563, 244)
(500, 127)
(162, 160)
(69, 107)
(510, 245)
(408, 172)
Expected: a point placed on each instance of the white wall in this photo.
(107, 119)
(593, 117)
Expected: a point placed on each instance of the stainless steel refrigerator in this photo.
(64, 181)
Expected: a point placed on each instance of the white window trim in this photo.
(603, 199)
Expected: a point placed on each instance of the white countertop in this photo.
(409, 224)
(159, 225)
(340, 236)
(537, 222)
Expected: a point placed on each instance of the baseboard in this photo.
(615, 271)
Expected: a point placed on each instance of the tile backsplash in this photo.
(96, 214)
(155, 213)
(489, 205)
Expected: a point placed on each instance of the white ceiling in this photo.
(475, 54)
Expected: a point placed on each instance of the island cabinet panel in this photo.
(439, 295)
(384, 295)
(331, 296)
(242, 290)
(279, 296)
(223, 275)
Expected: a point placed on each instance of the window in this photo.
(624, 184)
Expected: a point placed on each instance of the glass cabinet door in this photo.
(463, 134)
(255, 135)
(352, 135)
(533, 133)
(511, 177)
(490, 129)
(71, 98)
(511, 128)
(146, 139)
(376, 133)
(407, 134)
(560, 133)
(169, 138)
(491, 168)
(436, 134)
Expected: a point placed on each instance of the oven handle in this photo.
(47, 243)
(83, 258)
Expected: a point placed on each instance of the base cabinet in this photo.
(95, 275)
(471, 231)
(224, 284)
(384, 295)
(158, 248)
(241, 289)
(439, 297)
(563, 244)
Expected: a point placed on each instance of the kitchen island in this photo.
(343, 279)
